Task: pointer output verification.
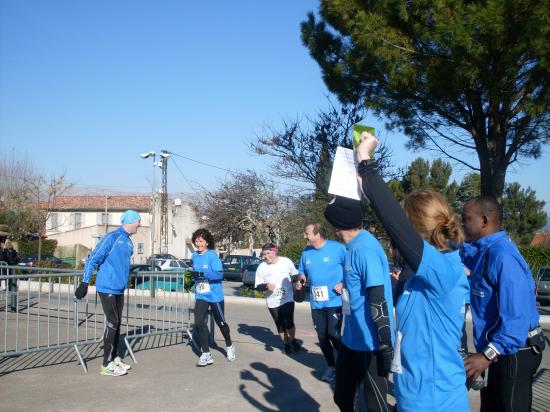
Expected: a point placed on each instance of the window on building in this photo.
(54, 221)
(77, 220)
(105, 218)
(140, 248)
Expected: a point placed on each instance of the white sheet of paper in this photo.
(343, 180)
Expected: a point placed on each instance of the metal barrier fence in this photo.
(38, 311)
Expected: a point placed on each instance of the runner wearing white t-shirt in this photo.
(274, 276)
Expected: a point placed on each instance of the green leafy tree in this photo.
(523, 213)
(462, 78)
(469, 188)
(435, 176)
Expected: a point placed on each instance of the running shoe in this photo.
(120, 363)
(205, 359)
(329, 374)
(231, 353)
(112, 370)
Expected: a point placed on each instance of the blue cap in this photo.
(130, 216)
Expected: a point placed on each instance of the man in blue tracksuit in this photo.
(507, 335)
(112, 257)
(321, 266)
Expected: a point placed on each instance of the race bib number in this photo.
(320, 293)
(279, 292)
(346, 308)
(203, 287)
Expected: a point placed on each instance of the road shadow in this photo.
(34, 360)
(261, 334)
(313, 360)
(283, 391)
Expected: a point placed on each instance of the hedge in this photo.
(293, 249)
(30, 247)
(536, 257)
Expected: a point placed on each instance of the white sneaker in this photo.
(118, 362)
(329, 374)
(112, 370)
(231, 353)
(205, 359)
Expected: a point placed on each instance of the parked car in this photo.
(171, 264)
(138, 278)
(160, 256)
(233, 265)
(543, 284)
(249, 274)
(30, 261)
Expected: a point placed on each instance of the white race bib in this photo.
(346, 308)
(396, 361)
(320, 293)
(279, 292)
(203, 287)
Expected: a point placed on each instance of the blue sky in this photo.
(86, 86)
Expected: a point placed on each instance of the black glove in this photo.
(81, 290)
(385, 357)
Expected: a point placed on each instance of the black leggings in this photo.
(201, 309)
(510, 382)
(283, 316)
(352, 368)
(327, 323)
(112, 307)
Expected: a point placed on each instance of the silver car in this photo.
(543, 284)
(249, 274)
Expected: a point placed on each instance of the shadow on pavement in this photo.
(261, 334)
(283, 391)
(272, 342)
(48, 358)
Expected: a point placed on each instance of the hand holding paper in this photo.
(366, 147)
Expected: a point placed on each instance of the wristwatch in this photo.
(490, 352)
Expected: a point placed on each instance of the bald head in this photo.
(481, 217)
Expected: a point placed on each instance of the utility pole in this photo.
(106, 215)
(164, 155)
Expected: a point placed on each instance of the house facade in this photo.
(78, 222)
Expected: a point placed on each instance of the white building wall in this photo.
(182, 222)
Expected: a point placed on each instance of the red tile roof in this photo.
(541, 239)
(139, 203)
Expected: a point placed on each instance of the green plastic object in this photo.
(357, 130)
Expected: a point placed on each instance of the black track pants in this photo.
(327, 323)
(352, 368)
(201, 309)
(112, 307)
(509, 386)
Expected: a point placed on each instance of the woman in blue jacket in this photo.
(209, 294)
(428, 369)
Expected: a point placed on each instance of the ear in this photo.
(484, 220)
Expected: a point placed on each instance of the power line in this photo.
(203, 163)
(191, 185)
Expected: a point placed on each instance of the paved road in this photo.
(166, 378)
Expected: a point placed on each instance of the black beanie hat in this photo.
(344, 213)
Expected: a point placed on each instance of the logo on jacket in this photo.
(326, 259)
(205, 266)
(308, 261)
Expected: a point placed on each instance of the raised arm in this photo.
(387, 208)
